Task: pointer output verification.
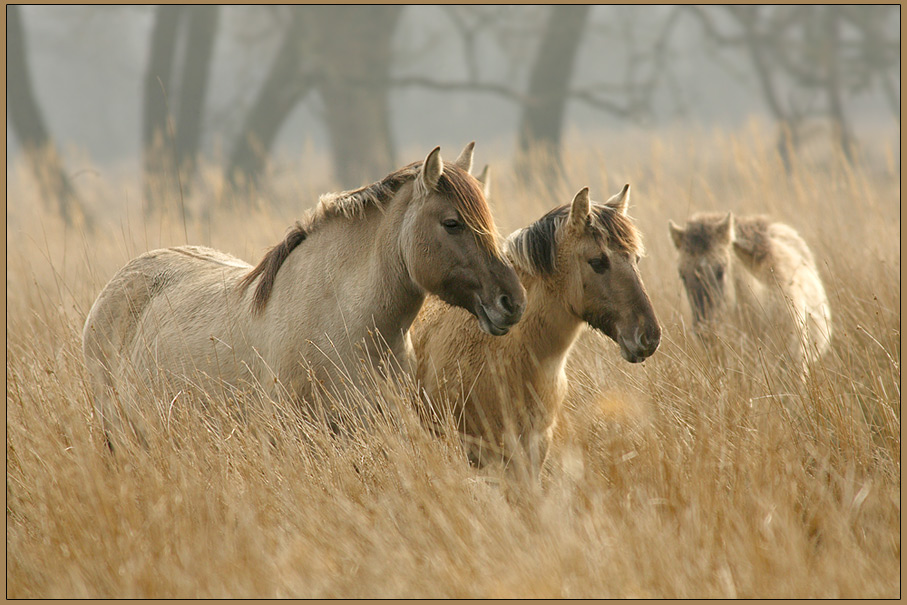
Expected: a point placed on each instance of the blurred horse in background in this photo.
(760, 271)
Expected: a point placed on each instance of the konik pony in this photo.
(343, 287)
(579, 266)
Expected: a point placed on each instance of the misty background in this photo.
(148, 88)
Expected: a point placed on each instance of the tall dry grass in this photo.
(691, 475)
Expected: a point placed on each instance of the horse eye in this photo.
(452, 225)
(719, 273)
(599, 264)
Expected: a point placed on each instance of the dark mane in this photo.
(454, 183)
(269, 265)
(535, 247)
(699, 234)
(754, 231)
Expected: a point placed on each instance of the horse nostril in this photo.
(505, 303)
(651, 341)
(648, 339)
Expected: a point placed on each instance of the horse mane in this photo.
(454, 183)
(754, 231)
(269, 265)
(534, 248)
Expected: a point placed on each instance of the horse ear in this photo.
(431, 170)
(621, 200)
(464, 160)
(484, 178)
(580, 208)
(725, 230)
(677, 234)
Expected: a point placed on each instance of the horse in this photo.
(758, 271)
(339, 292)
(578, 264)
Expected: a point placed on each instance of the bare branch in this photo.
(604, 104)
(464, 86)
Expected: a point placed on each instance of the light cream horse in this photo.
(579, 266)
(760, 271)
(341, 289)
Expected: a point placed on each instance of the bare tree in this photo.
(358, 49)
(344, 54)
(28, 123)
(809, 61)
(159, 157)
(549, 65)
(171, 124)
(200, 37)
(284, 87)
(542, 119)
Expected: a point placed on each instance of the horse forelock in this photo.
(469, 200)
(534, 248)
(619, 230)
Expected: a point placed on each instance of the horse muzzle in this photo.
(498, 318)
(643, 344)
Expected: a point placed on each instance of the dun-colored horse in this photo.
(579, 266)
(342, 288)
(762, 272)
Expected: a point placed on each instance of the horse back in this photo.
(159, 304)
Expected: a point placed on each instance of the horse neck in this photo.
(393, 297)
(548, 327)
(363, 257)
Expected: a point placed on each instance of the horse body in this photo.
(506, 393)
(341, 291)
(760, 272)
(171, 313)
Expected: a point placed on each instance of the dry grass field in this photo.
(694, 474)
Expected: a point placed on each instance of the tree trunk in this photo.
(833, 84)
(788, 139)
(541, 123)
(285, 86)
(160, 166)
(356, 63)
(344, 52)
(28, 124)
(203, 22)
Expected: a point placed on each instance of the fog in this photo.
(454, 74)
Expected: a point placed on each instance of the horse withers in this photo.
(339, 292)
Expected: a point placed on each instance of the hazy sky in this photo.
(88, 65)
